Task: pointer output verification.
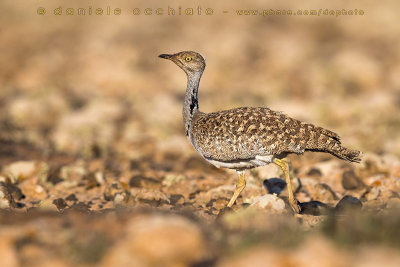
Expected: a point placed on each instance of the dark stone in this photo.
(315, 208)
(53, 175)
(71, 197)
(175, 198)
(15, 191)
(134, 165)
(60, 204)
(160, 166)
(81, 207)
(142, 181)
(350, 181)
(348, 203)
(91, 181)
(314, 172)
(274, 185)
(210, 203)
(193, 195)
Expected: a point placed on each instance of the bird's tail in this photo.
(327, 141)
(346, 153)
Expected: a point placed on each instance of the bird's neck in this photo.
(191, 103)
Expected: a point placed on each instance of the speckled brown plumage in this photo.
(244, 133)
(244, 138)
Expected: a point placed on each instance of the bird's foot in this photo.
(295, 205)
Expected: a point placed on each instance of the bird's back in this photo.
(247, 132)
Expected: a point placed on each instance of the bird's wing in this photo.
(244, 133)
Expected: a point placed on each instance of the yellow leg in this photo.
(285, 168)
(240, 185)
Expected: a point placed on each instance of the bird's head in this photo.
(189, 61)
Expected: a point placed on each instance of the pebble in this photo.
(348, 203)
(323, 192)
(171, 179)
(350, 181)
(60, 204)
(20, 170)
(48, 204)
(4, 201)
(151, 195)
(142, 181)
(177, 199)
(274, 185)
(268, 202)
(315, 208)
(373, 193)
(119, 198)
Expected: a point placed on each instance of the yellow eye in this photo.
(188, 59)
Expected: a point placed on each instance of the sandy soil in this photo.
(95, 169)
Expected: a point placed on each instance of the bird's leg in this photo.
(282, 163)
(240, 185)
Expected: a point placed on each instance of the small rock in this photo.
(274, 185)
(350, 181)
(111, 190)
(15, 192)
(268, 202)
(348, 203)
(315, 208)
(142, 181)
(20, 170)
(99, 177)
(375, 180)
(81, 207)
(48, 204)
(322, 192)
(60, 204)
(314, 172)
(177, 199)
(66, 185)
(171, 179)
(120, 198)
(71, 199)
(54, 175)
(72, 173)
(7, 194)
(151, 196)
(373, 193)
(4, 198)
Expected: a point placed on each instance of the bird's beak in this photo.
(166, 56)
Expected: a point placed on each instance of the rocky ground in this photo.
(59, 210)
(95, 169)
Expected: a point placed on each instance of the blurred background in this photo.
(70, 82)
(91, 123)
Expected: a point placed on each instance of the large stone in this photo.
(268, 202)
(158, 240)
(350, 181)
(20, 170)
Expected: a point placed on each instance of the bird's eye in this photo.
(188, 59)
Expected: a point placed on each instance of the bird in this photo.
(249, 137)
